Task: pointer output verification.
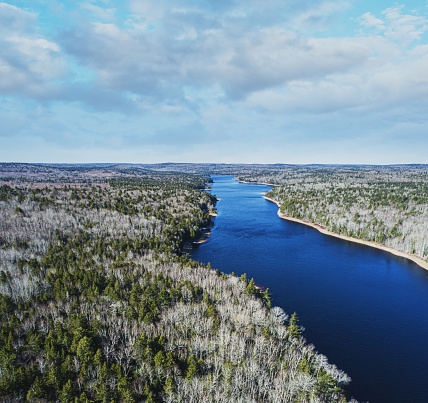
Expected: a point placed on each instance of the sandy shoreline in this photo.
(255, 183)
(203, 238)
(376, 245)
(205, 233)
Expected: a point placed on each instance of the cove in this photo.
(364, 308)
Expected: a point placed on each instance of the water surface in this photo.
(362, 307)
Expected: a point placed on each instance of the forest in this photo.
(384, 204)
(99, 302)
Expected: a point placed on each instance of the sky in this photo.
(226, 81)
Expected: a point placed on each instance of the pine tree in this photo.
(68, 393)
(293, 326)
(192, 367)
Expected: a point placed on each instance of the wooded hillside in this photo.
(99, 304)
(388, 204)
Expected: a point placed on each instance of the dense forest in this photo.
(388, 204)
(98, 302)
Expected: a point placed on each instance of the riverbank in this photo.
(190, 245)
(205, 234)
(255, 183)
(203, 237)
(323, 230)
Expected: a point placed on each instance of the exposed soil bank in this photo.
(205, 233)
(255, 183)
(204, 236)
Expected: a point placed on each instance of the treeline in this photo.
(285, 175)
(84, 174)
(389, 206)
(98, 304)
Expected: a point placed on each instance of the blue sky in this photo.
(254, 81)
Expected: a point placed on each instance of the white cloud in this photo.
(158, 65)
(370, 21)
(388, 75)
(308, 98)
(224, 70)
(396, 26)
(14, 19)
(100, 13)
(27, 64)
(372, 86)
(404, 28)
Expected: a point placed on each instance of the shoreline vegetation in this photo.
(415, 259)
(380, 207)
(205, 232)
(255, 183)
(372, 244)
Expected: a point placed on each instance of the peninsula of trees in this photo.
(98, 302)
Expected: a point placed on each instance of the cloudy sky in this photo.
(245, 81)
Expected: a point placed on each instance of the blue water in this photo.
(365, 309)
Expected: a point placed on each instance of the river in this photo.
(364, 308)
